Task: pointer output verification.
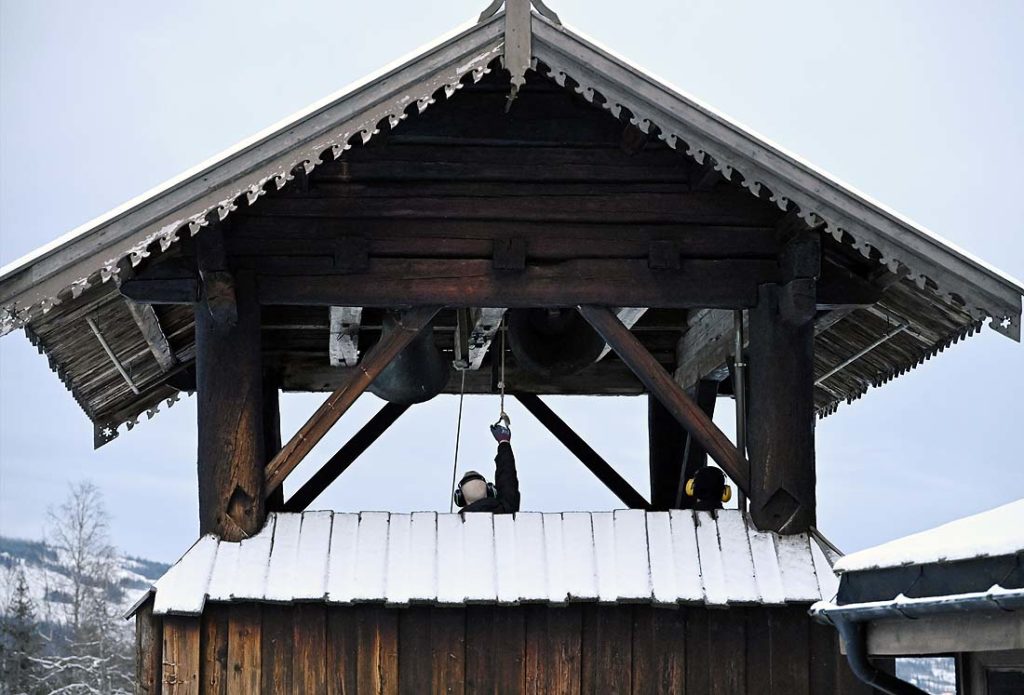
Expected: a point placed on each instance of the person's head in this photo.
(472, 487)
(709, 489)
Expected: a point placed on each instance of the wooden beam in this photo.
(694, 455)
(301, 372)
(587, 456)
(343, 347)
(112, 355)
(229, 406)
(660, 383)
(706, 343)
(726, 284)
(666, 447)
(146, 319)
(380, 356)
(704, 347)
(344, 457)
(781, 418)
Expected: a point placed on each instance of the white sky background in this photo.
(919, 104)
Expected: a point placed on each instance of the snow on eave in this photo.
(210, 163)
(91, 254)
(997, 532)
(902, 244)
(795, 158)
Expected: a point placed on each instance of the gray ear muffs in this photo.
(460, 499)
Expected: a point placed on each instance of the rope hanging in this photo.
(458, 436)
(461, 365)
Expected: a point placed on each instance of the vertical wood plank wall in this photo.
(371, 650)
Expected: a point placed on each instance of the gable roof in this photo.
(938, 280)
(91, 252)
(626, 556)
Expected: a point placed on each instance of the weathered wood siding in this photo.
(580, 648)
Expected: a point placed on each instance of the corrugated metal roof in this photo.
(677, 557)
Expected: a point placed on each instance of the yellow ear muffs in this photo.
(689, 487)
(726, 493)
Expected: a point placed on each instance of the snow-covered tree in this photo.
(20, 642)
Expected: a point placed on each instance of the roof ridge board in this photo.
(254, 163)
(568, 53)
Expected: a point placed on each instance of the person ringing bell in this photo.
(475, 494)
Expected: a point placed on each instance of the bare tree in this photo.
(96, 654)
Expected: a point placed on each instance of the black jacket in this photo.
(507, 482)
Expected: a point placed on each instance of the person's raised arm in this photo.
(505, 477)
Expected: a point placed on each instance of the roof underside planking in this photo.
(593, 154)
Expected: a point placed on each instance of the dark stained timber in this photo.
(660, 383)
(380, 356)
(587, 456)
(229, 405)
(781, 418)
(718, 283)
(666, 447)
(345, 456)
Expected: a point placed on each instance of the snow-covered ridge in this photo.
(47, 574)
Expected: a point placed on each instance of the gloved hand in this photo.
(500, 432)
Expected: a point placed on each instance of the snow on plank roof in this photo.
(664, 558)
(999, 531)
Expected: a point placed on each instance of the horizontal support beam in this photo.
(579, 448)
(660, 384)
(608, 377)
(345, 457)
(253, 237)
(726, 284)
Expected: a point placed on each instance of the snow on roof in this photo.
(999, 531)
(90, 254)
(446, 559)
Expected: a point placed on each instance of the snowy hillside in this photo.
(47, 575)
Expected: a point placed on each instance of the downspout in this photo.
(857, 654)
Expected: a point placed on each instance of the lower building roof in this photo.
(627, 556)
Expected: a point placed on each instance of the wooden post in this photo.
(650, 372)
(229, 402)
(666, 445)
(780, 424)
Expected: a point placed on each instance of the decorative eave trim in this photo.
(769, 173)
(91, 254)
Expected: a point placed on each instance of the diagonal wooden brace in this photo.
(658, 381)
(380, 356)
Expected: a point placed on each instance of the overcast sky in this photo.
(918, 104)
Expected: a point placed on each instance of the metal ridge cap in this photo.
(246, 144)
